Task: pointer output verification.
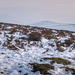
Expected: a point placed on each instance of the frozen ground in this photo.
(24, 48)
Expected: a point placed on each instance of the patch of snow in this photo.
(17, 62)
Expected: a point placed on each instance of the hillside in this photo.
(28, 50)
(55, 25)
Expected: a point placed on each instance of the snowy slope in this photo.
(54, 25)
(22, 55)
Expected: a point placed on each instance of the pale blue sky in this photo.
(32, 11)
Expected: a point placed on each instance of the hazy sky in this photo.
(32, 11)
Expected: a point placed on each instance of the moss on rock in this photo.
(58, 60)
(43, 68)
(69, 69)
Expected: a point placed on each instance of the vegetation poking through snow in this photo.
(43, 68)
(68, 42)
(34, 36)
(58, 60)
(69, 69)
(21, 45)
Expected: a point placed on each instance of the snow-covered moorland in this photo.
(26, 50)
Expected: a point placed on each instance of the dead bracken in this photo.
(34, 36)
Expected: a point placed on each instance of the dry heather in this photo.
(34, 33)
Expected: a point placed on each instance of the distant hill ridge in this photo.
(45, 23)
(55, 25)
